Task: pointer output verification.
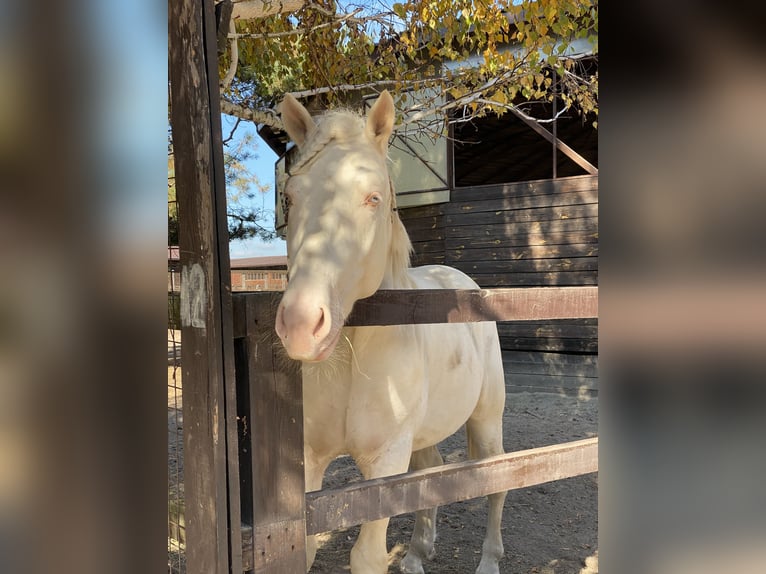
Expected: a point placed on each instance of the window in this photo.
(254, 275)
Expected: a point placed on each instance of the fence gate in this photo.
(278, 514)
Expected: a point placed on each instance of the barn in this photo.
(512, 203)
(259, 273)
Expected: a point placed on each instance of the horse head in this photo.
(342, 223)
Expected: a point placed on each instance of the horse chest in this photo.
(325, 400)
(365, 406)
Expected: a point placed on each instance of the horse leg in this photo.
(369, 554)
(485, 438)
(315, 466)
(423, 537)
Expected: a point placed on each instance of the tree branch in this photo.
(379, 84)
(248, 9)
(232, 71)
(231, 134)
(267, 116)
(518, 110)
(338, 19)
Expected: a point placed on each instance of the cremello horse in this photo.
(384, 395)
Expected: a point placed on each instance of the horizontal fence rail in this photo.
(417, 306)
(420, 306)
(332, 509)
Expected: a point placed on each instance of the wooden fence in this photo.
(275, 508)
(243, 413)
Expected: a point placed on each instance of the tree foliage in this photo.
(245, 219)
(242, 186)
(484, 54)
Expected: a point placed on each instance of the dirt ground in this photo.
(547, 529)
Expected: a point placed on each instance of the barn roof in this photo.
(272, 262)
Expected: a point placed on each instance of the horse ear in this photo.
(380, 121)
(297, 120)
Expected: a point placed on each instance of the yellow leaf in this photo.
(499, 97)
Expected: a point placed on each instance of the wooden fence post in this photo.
(275, 427)
(210, 435)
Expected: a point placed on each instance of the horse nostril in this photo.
(279, 325)
(320, 324)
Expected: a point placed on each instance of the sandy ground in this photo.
(547, 529)
(176, 555)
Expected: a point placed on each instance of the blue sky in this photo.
(263, 167)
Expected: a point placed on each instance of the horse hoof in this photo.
(411, 565)
(485, 568)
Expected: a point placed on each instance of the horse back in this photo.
(464, 363)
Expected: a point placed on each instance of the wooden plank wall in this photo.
(527, 234)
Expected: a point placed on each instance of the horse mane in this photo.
(338, 126)
(401, 247)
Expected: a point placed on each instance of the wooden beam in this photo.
(419, 306)
(205, 310)
(390, 307)
(390, 496)
(276, 427)
(568, 151)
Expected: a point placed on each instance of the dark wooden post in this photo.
(275, 424)
(210, 482)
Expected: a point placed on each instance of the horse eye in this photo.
(373, 199)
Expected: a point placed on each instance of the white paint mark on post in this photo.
(193, 296)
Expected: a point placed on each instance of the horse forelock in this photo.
(336, 127)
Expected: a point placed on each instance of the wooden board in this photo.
(475, 215)
(525, 188)
(535, 279)
(373, 499)
(537, 344)
(475, 267)
(561, 373)
(564, 385)
(419, 259)
(433, 235)
(391, 307)
(523, 238)
(555, 335)
(551, 364)
(553, 329)
(469, 204)
(526, 252)
(589, 197)
(502, 229)
(425, 246)
(504, 216)
(429, 222)
(418, 306)
(276, 427)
